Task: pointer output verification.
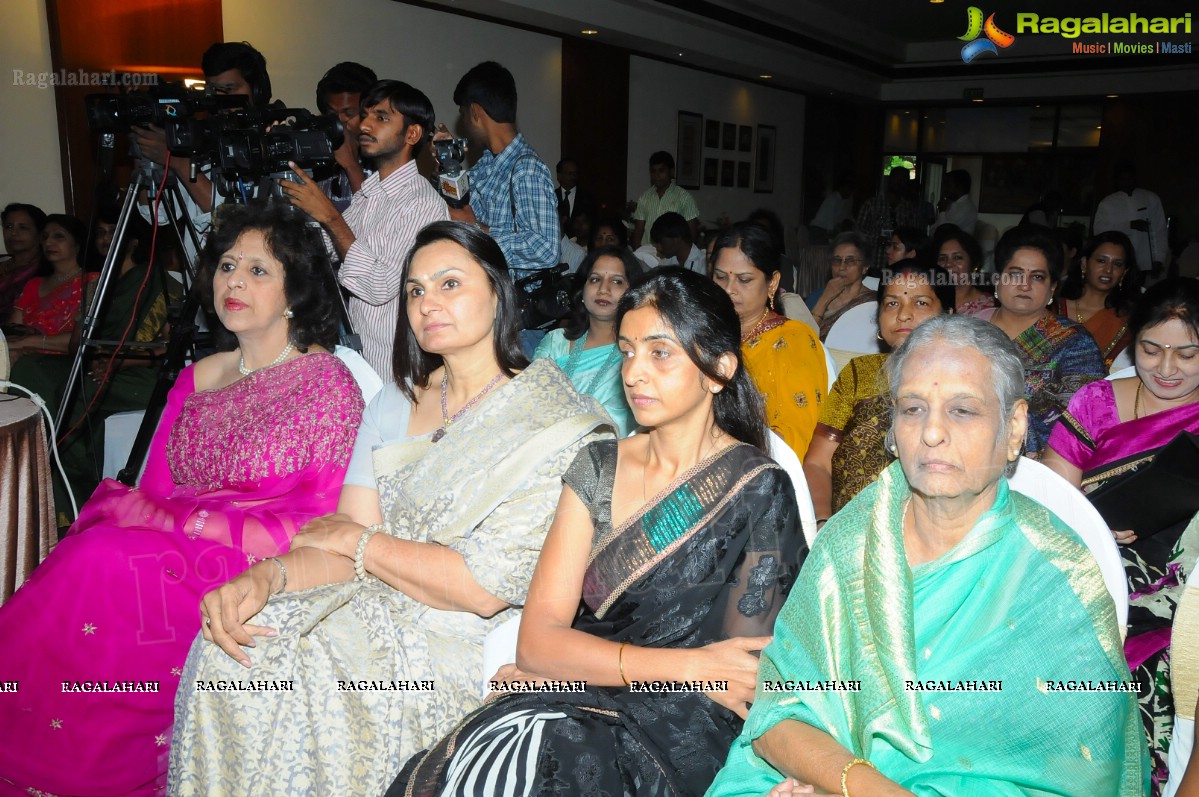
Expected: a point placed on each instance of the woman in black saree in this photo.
(681, 543)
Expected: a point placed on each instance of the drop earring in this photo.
(288, 313)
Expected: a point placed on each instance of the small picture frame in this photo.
(712, 171)
(712, 134)
(729, 137)
(743, 174)
(727, 173)
(745, 138)
(689, 150)
(764, 159)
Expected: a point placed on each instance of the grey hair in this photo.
(964, 332)
(853, 239)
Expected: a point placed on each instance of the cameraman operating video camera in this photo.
(372, 239)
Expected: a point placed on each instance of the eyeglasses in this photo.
(849, 261)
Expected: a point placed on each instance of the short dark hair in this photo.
(492, 87)
(755, 242)
(940, 280)
(37, 214)
(412, 365)
(613, 222)
(765, 217)
(962, 178)
(223, 56)
(1177, 297)
(1030, 236)
(407, 100)
(662, 157)
(968, 242)
(913, 239)
(348, 77)
(308, 282)
(578, 321)
(564, 161)
(1123, 296)
(670, 225)
(702, 317)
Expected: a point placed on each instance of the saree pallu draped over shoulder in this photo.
(376, 675)
(720, 542)
(993, 670)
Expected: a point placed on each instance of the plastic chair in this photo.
(833, 368)
(871, 282)
(1066, 501)
(855, 331)
(1123, 361)
(786, 457)
(368, 381)
(499, 648)
(793, 306)
(1123, 373)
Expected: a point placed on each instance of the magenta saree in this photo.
(1092, 437)
(96, 638)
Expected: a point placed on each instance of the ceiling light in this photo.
(977, 100)
(680, 55)
(765, 77)
(1112, 96)
(935, 2)
(589, 32)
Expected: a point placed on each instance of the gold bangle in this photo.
(620, 659)
(845, 774)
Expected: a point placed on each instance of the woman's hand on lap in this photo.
(792, 786)
(226, 609)
(1126, 537)
(731, 660)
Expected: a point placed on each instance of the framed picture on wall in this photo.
(745, 138)
(764, 162)
(729, 138)
(690, 149)
(727, 169)
(711, 171)
(743, 174)
(712, 134)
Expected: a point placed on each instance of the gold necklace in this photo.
(1136, 405)
(745, 336)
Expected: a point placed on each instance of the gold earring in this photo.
(770, 302)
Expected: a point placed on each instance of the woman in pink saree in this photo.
(253, 443)
(1115, 428)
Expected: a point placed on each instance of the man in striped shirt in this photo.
(394, 204)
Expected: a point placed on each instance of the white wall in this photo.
(429, 49)
(30, 167)
(658, 91)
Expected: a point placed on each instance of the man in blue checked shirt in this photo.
(511, 189)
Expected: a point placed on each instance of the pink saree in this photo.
(96, 639)
(1091, 436)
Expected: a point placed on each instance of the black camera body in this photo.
(452, 179)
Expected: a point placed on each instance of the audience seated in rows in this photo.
(670, 555)
(458, 463)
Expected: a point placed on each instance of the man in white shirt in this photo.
(393, 205)
(956, 207)
(671, 236)
(836, 212)
(1138, 214)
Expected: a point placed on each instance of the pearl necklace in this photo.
(244, 371)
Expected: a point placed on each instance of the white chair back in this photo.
(1123, 373)
(4, 366)
(786, 457)
(793, 306)
(368, 380)
(499, 648)
(871, 283)
(1066, 501)
(833, 369)
(1123, 360)
(856, 330)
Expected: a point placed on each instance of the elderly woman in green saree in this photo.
(940, 630)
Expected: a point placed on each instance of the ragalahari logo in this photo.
(975, 28)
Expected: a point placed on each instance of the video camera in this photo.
(452, 179)
(158, 105)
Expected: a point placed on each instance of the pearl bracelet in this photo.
(360, 551)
